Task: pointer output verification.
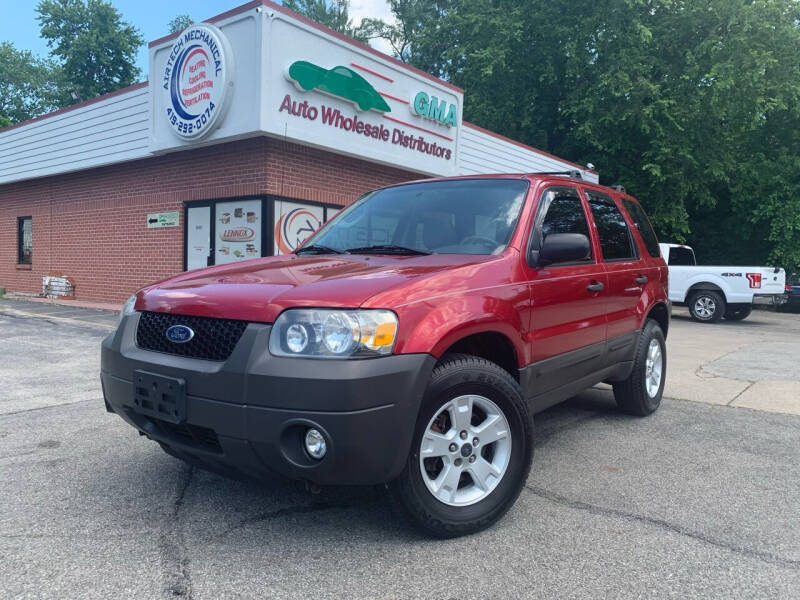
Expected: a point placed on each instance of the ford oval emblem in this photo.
(180, 334)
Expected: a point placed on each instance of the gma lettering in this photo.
(430, 107)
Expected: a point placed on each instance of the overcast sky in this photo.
(19, 26)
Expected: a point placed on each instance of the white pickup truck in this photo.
(711, 293)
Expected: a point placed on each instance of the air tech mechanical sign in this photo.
(195, 81)
(346, 84)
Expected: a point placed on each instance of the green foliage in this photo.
(693, 106)
(331, 13)
(28, 85)
(179, 23)
(97, 49)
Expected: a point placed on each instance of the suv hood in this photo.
(258, 290)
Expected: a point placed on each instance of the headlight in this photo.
(322, 333)
(127, 308)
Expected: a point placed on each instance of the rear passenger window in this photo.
(681, 257)
(642, 223)
(615, 237)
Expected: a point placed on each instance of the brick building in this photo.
(256, 127)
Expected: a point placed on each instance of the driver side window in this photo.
(564, 214)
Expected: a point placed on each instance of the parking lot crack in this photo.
(736, 397)
(174, 556)
(48, 407)
(664, 525)
(295, 510)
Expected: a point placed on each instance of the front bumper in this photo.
(250, 413)
(771, 299)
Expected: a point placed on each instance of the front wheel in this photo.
(640, 394)
(471, 451)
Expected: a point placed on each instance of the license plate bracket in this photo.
(159, 396)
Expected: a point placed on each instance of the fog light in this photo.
(315, 444)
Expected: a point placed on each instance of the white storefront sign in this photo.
(263, 71)
(167, 219)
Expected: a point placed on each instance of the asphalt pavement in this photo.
(700, 500)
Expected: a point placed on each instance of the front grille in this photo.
(192, 435)
(214, 339)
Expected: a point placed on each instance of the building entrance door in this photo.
(199, 250)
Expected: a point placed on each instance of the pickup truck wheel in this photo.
(738, 312)
(707, 306)
(471, 451)
(640, 394)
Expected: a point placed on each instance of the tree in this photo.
(97, 49)
(28, 85)
(412, 36)
(693, 106)
(179, 23)
(331, 13)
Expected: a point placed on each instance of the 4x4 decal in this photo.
(338, 81)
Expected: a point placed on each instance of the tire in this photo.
(464, 507)
(638, 395)
(707, 306)
(738, 312)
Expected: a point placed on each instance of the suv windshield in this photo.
(463, 216)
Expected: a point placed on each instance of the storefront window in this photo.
(238, 227)
(219, 232)
(25, 240)
(294, 224)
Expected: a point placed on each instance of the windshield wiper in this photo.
(387, 249)
(318, 249)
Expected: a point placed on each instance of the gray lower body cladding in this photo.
(249, 413)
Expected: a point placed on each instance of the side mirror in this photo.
(564, 247)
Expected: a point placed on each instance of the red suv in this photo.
(408, 342)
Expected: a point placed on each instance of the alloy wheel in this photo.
(705, 307)
(654, 365)
(465, 450)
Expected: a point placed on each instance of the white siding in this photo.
(479, 153)
(116, 129)
(109, 131)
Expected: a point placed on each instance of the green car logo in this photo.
(338, 81)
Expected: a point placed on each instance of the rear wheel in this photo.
(707, 306)
(738, 312)
(471, 451)
(640, 394)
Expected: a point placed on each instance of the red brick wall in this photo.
(91, 225)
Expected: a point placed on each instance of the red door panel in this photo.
(566, 314)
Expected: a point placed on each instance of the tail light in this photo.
(754, 279)
(787, 287)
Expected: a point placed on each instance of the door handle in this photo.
(641, 279)
(595, 287)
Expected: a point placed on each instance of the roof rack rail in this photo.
(618, 187)
(575, 174)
